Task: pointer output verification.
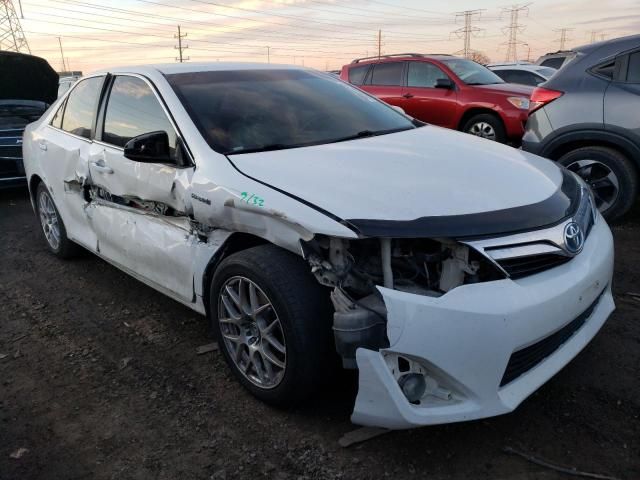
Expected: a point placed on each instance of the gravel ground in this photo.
(99, 378)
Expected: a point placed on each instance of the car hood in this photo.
(397, 181)
(508, 88)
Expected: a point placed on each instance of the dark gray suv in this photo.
(587, 117)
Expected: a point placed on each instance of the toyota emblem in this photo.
(573, 237)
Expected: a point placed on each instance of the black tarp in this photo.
(25, 77)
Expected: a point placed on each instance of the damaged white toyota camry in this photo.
(305, 217)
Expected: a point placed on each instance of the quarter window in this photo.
(422, 74)
(387, 74)
(81, 107)
(57, 118)
(633, 72)
(133, 110)
(357, 74)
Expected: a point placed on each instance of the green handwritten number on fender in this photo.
(252, 199)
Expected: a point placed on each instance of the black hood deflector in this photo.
(555, 209)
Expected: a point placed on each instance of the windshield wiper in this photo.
(370, 133)
(264, 148)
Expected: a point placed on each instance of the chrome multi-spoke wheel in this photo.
(49, 219)
(603, 181)
(482, 129)
(252, 332)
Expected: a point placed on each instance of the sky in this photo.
(323, 34)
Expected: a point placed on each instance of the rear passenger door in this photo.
(422, 100)
(622, 97)
(385, 81)
(138, 211)
(64, 152)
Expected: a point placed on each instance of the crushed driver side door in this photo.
(138, 209)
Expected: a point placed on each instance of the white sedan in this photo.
(306, 219)
(522, 73)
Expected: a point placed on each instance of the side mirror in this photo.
(150, 147)
(445, 83)
(399, 109)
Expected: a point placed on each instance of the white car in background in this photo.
(304, 217)
(523, 73)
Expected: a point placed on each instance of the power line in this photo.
(180, 47)
(467, 31)
(11, 34)
(514, 28)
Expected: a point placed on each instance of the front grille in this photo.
(523, 266)
(525, 359)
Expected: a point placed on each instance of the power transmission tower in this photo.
(563, 36)
(515, 11)
(11, 35)
(180, 47)
(467, 31)
(594, 35)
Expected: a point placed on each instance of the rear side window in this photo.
(633, 72)
(520, 77)
(422, 74)
(357, 74)
(555, 62)
(132, 110)
(81, 107)
(389, 74)
(606, 70)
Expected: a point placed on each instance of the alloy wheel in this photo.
(49, 220)
(482, 129)
(603, 181)
(252, 332)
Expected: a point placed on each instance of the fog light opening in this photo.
(413, 385)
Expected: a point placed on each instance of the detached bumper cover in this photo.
(466, 339)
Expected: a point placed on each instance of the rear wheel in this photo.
(273, 323)
(52, 225)
(611, 176)
(487, 126)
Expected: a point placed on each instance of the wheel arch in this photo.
(471, 112)
(34, 181)
(236, 242)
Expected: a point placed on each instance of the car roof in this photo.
(515, 66)
(171, 68)
(403, 57)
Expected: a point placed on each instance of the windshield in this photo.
(255, 110)
(472, 73)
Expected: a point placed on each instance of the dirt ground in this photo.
(99, 378)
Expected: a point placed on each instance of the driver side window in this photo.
(132, 110)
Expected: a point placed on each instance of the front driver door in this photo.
(426, 102)
(138, 212)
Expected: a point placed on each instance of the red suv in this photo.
(444, 90)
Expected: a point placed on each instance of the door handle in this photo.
(101, 167)
(43, 145)
(408, 95)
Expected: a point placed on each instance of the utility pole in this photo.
(269, 54)
(467, 31)
(64, 66)
(594, 35)
(563, 36)
(379, 44)
(181, 58)
(603, 36)
(11, 35)
(513, 29)
(528, 51)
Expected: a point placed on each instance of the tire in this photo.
(611, 176)
(55, 233)
(486, 125)
(298, 302)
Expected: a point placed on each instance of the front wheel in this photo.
(612, 177)
(273, 323)
(486, 125)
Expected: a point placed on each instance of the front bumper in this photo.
(465, 339)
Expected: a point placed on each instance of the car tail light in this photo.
(542, 96)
